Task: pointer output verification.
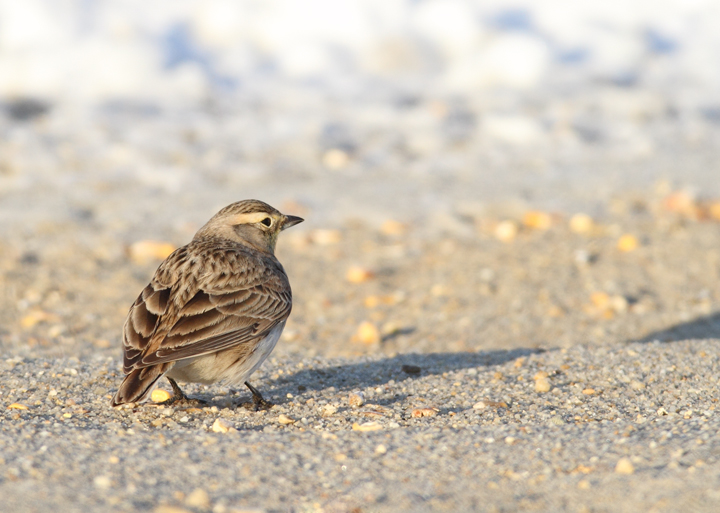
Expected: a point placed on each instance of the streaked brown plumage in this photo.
(215, 307)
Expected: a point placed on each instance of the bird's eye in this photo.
(267, 222)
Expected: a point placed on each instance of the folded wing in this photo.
(166, 324)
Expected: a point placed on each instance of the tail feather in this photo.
(138, 384)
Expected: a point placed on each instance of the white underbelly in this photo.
(225, 366)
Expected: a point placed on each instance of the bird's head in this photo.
(249, 222)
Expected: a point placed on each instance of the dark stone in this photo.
(411, 369)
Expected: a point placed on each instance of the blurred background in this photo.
(364, 109)
(382, 122)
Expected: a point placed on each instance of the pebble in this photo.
(356, 399)
(371, 301)
(159, 395)
(624, 466)
(411, 369)
(366, 426)
(537, 220)
(221, 426)
(424, 412)
(198, 498)
(681, 202)
(581, 223)
(486, 403)
(600, 300)
(714, 210)
(325, 237)
(627, 243)
(542, 385)
(367, 333)
(582, 257)
(390, 328)
(637, 385)
(392, 227)
(329, 410)
(557, 420)
(335, 159)
(145, 251)
(102, 482)
(36, 316)
(357, 274)
(285, 420)
(439, 290)
(506, 231)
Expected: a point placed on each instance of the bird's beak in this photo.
(291, 221)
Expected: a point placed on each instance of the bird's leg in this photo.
(258, 400)
(179, 396)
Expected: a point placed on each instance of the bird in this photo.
(214, 309)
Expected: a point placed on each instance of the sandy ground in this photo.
(428, 365)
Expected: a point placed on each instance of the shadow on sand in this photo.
(366, 373)
(703, 327)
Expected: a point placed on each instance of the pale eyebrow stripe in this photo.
(251, 218)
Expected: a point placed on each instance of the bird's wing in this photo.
(197, 306)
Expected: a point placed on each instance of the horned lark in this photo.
(214, 309)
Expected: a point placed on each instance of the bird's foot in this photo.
(258, 402)
(179, 397)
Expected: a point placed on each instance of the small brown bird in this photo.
(214, 309)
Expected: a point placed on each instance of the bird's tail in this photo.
(137, 385)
